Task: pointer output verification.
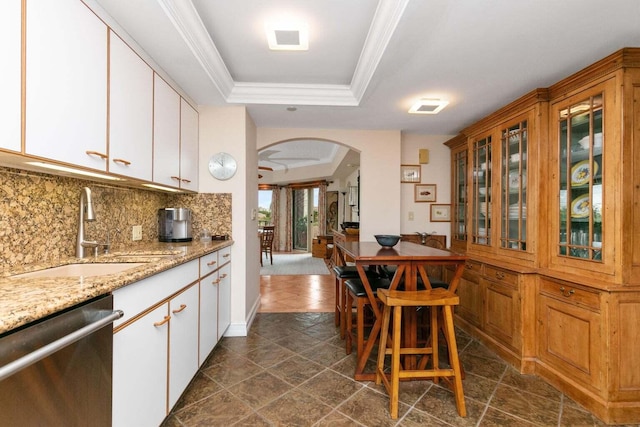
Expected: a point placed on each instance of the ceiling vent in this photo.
(287, 36)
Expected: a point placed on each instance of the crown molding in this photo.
(184, 17)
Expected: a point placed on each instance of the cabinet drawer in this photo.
(209, 263)
(569, 293)
(138, 297)
(503, 276)
(224, 255)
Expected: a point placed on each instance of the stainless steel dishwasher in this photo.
(57, 371)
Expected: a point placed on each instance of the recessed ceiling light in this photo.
(287, 35)
(428, 106)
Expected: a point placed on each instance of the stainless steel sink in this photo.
(85, 270)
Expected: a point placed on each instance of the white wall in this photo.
(437, 171)
(230, 129)
(379, 171)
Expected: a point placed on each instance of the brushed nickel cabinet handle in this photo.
(178, 310)
(175, 178)
(185, 180)
(123, 161)
(96, 153)
(215, 282)
(222, 276)
(212, 263)
(566, 293)
(226, 255)
(163, 321)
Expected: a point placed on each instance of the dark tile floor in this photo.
(292, 370)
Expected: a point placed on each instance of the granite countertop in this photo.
(24, 300)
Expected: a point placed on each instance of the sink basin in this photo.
(85, 270)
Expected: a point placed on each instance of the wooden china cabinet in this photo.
(546, 196)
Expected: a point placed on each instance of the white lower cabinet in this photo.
(208, 315)
(183, 341)
(172, 322)
(140, 371)
(224, 299)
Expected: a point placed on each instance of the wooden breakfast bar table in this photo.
(411, 260)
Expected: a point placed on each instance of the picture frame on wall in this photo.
(425, 193)
(410, 173)
(440, 213)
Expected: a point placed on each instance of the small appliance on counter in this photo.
(174, 225)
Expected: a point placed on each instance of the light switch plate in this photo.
(136, 233)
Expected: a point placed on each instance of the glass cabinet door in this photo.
(481, 207)
(513, 211)
(581, 179)
(459, 208)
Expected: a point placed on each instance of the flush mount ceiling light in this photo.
(287, 35)
(428, 106)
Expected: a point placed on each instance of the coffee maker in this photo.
(174, 225)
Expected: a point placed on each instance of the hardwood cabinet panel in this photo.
(571, 340)
(502, 313)
(471, 299)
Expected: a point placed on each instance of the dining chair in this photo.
(343, 273)
(357, 294)
(266, 242)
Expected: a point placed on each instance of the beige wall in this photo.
(437, 171)
(231, 130)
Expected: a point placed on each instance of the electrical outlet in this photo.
(410, 216)
(136, 233)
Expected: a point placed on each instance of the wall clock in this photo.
(222, 166)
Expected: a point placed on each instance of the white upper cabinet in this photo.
(10, 47)
(130, 112)
(188, 147)
(66, 83)
(166, 134)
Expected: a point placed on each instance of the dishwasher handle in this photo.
(47, 350)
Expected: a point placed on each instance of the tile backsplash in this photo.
(39, 215)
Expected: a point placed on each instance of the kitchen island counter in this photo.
(24, 300)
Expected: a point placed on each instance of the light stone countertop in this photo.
(24, 300)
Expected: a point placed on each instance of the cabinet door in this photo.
(481, 192)
(140, 371)
(224, 300)
(570, 337)
(459, 198)
(583, 219)
(10, 68)
(183, 342)
(470, 293)
(502, 313)
(208, 315)
(188, 147)
(513, 180)
(130, 112)
(66, 83)
(166, 134)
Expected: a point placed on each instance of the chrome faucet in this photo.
(86, 214)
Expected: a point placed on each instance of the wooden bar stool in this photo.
(343, 273)
(436, 299)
